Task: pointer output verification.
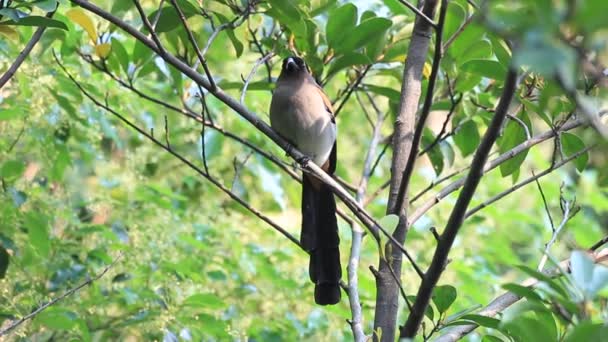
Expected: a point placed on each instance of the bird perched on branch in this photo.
(302, 114)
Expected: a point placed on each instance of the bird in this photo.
(301, 113)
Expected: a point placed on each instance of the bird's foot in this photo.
(303, 160)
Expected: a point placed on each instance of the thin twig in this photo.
(554, 235)
(150, 137)
(545, 204)
(198, 52)
(149, 27)
(419, 13)
(448, 189)
(525, 182)
(257, 64)
(63, 296)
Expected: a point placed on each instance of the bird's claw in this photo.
(303, 160)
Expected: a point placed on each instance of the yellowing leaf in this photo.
(103, 50)
(426, 70)
(81, 18)
(9, 32)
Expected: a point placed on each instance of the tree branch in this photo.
(448, 189)
(387, 299)
(10, 72)
(458, 213)
(368, 221)
(63, 296)
(526, 182)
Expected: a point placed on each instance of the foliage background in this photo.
(79, 187)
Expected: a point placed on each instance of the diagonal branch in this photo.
(63, 296)
(184, 160)
(10, 72)
(368, 221)
(450, 188)
(526, 182)
(192, 40)
(458, 213)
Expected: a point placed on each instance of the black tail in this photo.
(320, 238)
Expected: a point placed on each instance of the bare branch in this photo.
(63, 296)
(419, 13)
(491, 165)
(262, 60)
(149, 27)
(458, 213)
(388, 291)
(198, 52)
(526, 182)
(400, 201)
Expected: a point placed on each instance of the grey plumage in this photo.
(302, 114)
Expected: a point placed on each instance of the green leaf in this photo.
(587, 331)
(455, 16)
(11, 113)
(238, 46)
(12, 169)
(513, 135)
(57, 318)
(484, 321)
(120, 53)
(367, 31)
(392, 94)
(522, 291)
(572, 144)
(480, 50)
(389, 222)
(544, 278)
(13, 14)
(4, 261)
(37, 228)
(169, 18)
(443, 297)
(341, 21)
(589, 277)
(485, 68)
(348, 60)
(36, 20)
(467, 138)
(204, 300)
(491, 338)
(287, 9)
(46, 5)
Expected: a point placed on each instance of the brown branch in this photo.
(10, 72)
(68, 293)
(458, 213)
(400, 201)
(387, 305)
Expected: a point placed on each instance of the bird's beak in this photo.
(291, 64)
